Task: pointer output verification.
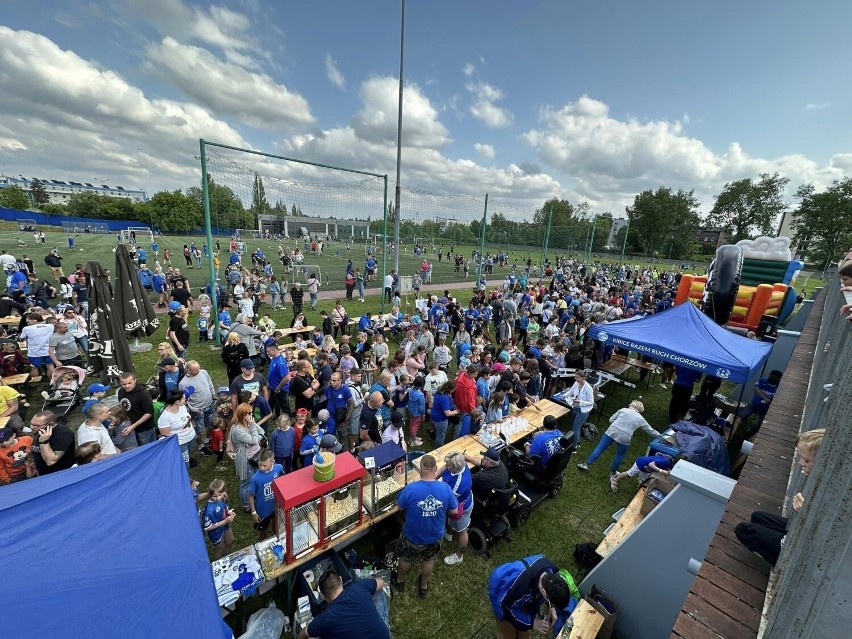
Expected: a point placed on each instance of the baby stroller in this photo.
(61, 407)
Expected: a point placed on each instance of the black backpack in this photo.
(586, 556)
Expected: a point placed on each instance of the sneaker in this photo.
(453, 559)
(583, 466)
(45, 394)
(416, 442)
(664, 387)
(395, 585)
(613, 484)
(448, 536)
(221, 468)
(246, 509)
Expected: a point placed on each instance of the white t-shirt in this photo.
(38, 338)
(98, 434)
(434, 382)
(178, 423)
(8, 261)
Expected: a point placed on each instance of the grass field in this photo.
(457, 606)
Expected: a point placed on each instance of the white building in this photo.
(785, 228)
(618, 223)
(58, 191)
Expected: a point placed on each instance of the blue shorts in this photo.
(40, 361)
(461, 524)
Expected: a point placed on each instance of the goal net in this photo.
(247, 234)
(136, 235)
(301, 273)
(27, 226)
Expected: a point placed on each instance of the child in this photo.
(203, 324)
(416, 409)
(323, 416)
(282, 441)
(261, 501)
(217, 520)
(62, 388)
(310, 441)
(13, 361)
(644, 466)
(300, 428)
(205, 307)
(494, 409)
(223, 406)
(216, 445)
(266, 324)
(96, 392)
(118, 422)
(473, 423)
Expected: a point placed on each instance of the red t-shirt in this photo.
(13, 458)
(217, 440)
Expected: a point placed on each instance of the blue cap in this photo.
(223, 389)
(174, 306)
(97, 388)
(189, 390)
(246, 363)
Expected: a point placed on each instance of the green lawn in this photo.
(457, 606)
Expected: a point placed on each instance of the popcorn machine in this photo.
(386, 465)
(311, 513)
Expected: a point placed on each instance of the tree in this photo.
(825, 219)
(663, 221)
(746, 207)
(85, 204)
(14, 197)
(38, 192)
(259, 204)
(173, 211)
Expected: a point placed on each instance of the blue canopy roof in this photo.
(110, 549)
(686, 337)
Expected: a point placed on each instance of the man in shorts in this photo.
(426, 504)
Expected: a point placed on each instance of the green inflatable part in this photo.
(749, 261)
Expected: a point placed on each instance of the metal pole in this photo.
(624, 244)
(398, 146)
(384, 247)
(481, 243)
(592, 243)
(546, 239)
(205, 194)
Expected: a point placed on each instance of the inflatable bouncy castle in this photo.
(745, 282)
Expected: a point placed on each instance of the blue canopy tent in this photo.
(686, 337)
(110, 549)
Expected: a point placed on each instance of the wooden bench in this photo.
(627, 521)
(587, 622)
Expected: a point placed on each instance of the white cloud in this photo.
(485, 150)
(254, 98)
(817, 106)
(612, 160)
(333, 73)
(377, 120)
(468, 70)
(79, 119)
(484, 107)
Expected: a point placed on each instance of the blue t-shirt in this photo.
(278, 370)
(309, 442)
(282, 442)
(214, 512)
(225, 317)
(686, 377)
(441, 403)
(546, 445)
(464, 492)
(426, 504)
(353, 608)
(661, 462)
(171, 380)
(261, 488)
(482, 388)
(767, 389)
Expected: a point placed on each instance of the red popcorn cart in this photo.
(312, 513)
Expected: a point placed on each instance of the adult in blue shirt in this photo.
(546, 443)
(234, 259)
(764, 392)
(426, 504)
(278, 378)
(349, 609)
(685, 379)
(141, 256)
(18, 281)
(457, 476)
(341, 405)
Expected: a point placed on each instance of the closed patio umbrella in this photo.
(132, 301)
(109, 352)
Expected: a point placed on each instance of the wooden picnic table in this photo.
(468, 444)
(10, 320)
(296, 331)
(21, 379)
(614, 367)
(535, 415)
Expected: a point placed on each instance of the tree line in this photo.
(662, 221)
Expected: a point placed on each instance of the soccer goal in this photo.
(27, 226)
(301, 272)
(250, 234)
(136, 234)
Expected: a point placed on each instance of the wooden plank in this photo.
(16, 380)
(467, 444)
(734, 585)
(731, 605)
(294, 331)
(629, 519)
(687, 627)
(715, 619)
(10, 320)
(587, 622)
(755, 577)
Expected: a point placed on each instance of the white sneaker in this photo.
(613, 484)
(416, 442)
(453, 559)
(45, 394)
(583, 466)
(448, 536)
(664, 387)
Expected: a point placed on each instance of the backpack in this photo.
(357, 396)
(586, 555)
(589, 431)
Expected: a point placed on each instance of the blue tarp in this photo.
(686, 337)
(110, 549)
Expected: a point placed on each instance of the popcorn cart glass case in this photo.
(387, 476)
(312, 513)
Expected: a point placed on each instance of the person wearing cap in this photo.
(95, 394)
(330, 444)
(200, 401)
(13, 455)
(393, 431)
(175, 420)
(492, 473)
(248, 381)
(171, 375)
(545, 444)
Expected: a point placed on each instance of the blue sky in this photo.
(522, 100)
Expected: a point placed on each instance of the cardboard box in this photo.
(658, 484)
(608, 609)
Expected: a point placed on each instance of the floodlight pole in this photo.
(205, 193)
(398, 146)
(624, 244)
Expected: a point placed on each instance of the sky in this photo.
(588, 101)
